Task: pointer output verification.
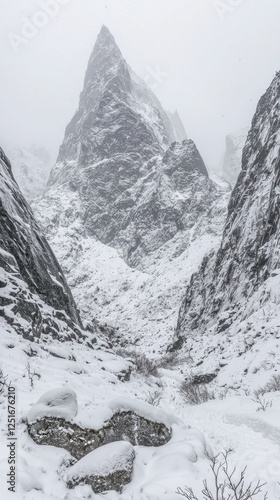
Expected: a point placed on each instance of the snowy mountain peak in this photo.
(105, 63)
(117, 113)
(122, 180)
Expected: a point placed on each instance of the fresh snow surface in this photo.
(232, 423)
(103, 461)
(250, 351)
(56, 403)
(152, 413)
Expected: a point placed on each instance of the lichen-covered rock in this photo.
(108, 468)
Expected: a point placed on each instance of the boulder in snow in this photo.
(135, 422)
(108, 468)
(61, 403)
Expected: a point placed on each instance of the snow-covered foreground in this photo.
(233, 423)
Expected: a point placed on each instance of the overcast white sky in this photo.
(212, 68)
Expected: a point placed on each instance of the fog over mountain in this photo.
(200, 57)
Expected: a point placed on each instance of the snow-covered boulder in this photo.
(52, 422)
(108, 468)
(61, 403)
(143, 409)
(132, 427)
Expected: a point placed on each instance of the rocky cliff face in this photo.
(34, 295)
(233, 156)
(122, 180)
(236, 291)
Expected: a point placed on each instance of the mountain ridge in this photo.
(230, 296)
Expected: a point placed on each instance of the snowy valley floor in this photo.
(232, 423)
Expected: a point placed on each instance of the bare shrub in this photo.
(262, 403)
(154, 398)
(31, 375)
(141, 364)
(273, 385)
(195, 394)
(228, 485)
(145, 366)
(172, 360)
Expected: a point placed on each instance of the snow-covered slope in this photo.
(31, 169)
(233, 156)
(34, 296)
(121, 180)
(231, 307)
(42, 471)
